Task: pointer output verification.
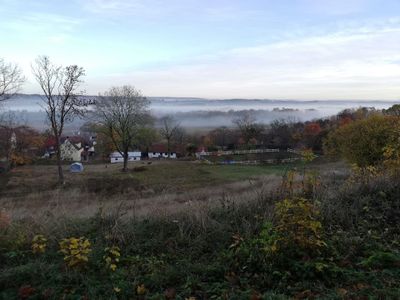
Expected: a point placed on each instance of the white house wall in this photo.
(163, 155)
(116, 157)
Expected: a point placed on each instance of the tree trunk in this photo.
(125, 168)
(168, 148)
(59, 165)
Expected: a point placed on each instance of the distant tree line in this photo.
(121, 120)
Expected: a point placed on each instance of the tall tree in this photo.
(60, 101)
(11, 79)
(248, 127)
(8, 123)
(123, 111)
(221, 136)
(170, 131)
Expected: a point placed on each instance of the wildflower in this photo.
(117, 289)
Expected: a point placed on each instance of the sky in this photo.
(266, 49)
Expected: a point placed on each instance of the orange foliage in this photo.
(312, 129)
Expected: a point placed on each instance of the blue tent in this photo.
(76, 167)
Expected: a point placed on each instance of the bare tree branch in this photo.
(60, 101)
(11, 80)
(169, 131)
(124, 112)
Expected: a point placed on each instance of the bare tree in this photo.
(123, 111)
(61, 102)
(11, 79)
(8, 123)
(170, 131)
(248, 127)
(221, 136)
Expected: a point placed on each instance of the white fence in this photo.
(238, 152)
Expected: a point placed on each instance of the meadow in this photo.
(280, 232)
(32, 190)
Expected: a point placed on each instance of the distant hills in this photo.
(198, 112)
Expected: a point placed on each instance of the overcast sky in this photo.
(286, 49)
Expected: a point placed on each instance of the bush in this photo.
(363, 142)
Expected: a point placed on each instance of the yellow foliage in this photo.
(19, 160)
(363, 174)
(76, 251)
(391, 156)
(298, 225)
(307, 155)
(111, 257)
(141, 289)
(365, 142)
(39, 244)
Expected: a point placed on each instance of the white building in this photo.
(162, 155)
(71, 151)
(161, 151)
(116, 157)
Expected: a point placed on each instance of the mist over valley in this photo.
(198, 113)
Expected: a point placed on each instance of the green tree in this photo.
(363, 142)
(393, 110)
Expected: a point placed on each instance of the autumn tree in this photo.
(8, 123)
(11, 79)
(364, 141)
(248, 127)
(222, 136)
(170, 130)
(312, 136)
(60, 101)
(280, 134)
(28, 145)
(123, 111)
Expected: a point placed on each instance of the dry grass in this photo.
(159, 188)
(162, 188)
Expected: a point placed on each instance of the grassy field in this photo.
(192, 231)
(160, 185)
(177, 175)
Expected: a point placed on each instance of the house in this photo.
(161, 151)
(116, 157)
(201, 151)
(71, 149)
(50, 147)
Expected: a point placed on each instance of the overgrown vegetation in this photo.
(336, 240)
(311, 236)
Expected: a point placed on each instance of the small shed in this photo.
(76, 167)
